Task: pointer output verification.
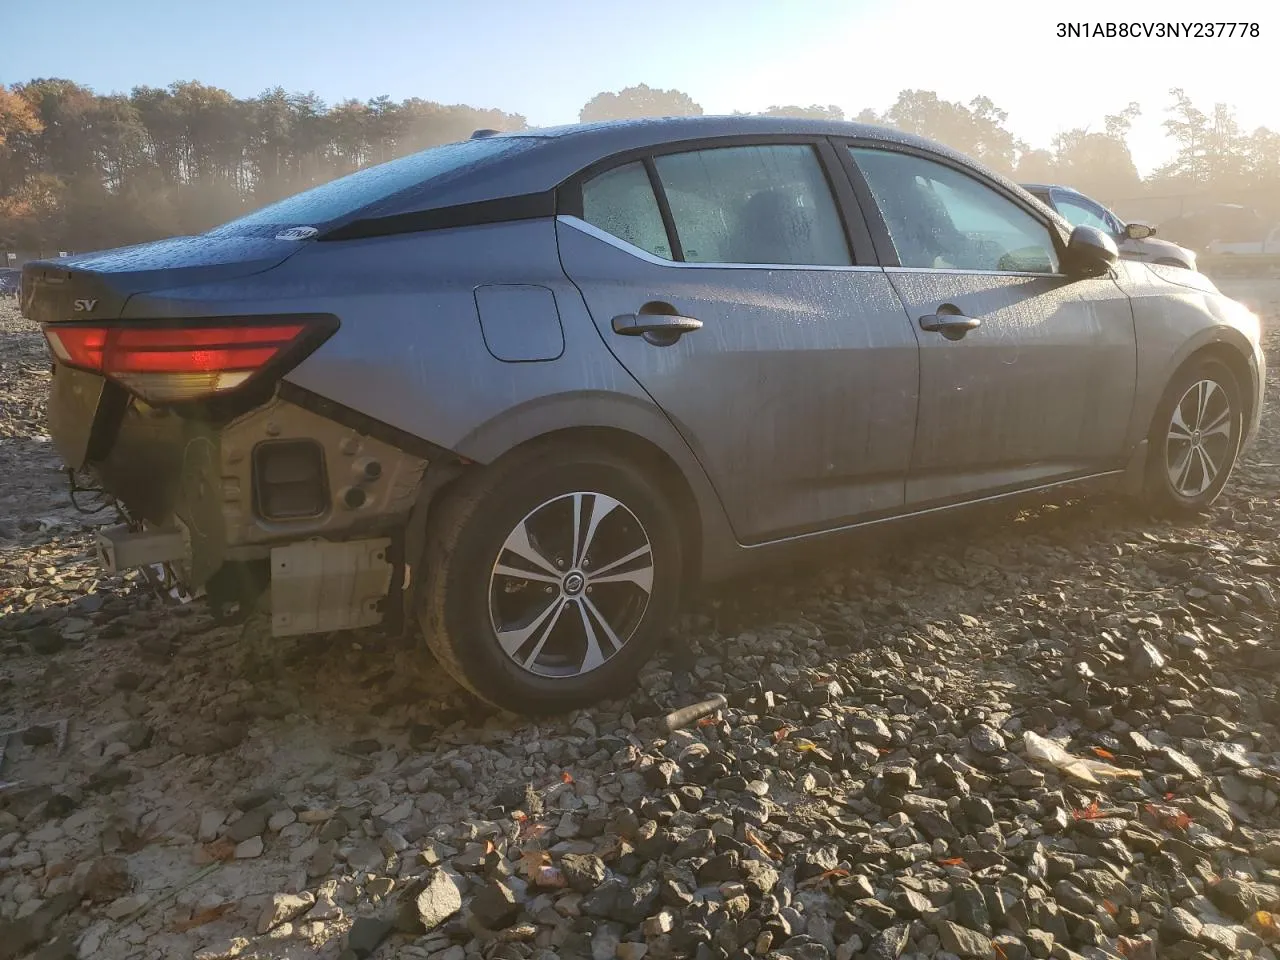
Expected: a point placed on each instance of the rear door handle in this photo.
(953, 326)
(638, 324)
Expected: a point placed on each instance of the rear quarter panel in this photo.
(1177, 313)
(411, 352)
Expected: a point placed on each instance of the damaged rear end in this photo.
(231, 480)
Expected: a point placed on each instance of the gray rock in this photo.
(439, 900)
(321, 862)
(971, 908)
(495, 906)
(107, 879)
(366, 934)
(978, 811)
(1147, 661)
(936, 825)
(1011, 948)
(900, 778)
(964, 942)
(889, 943)
(909, 903)
(719, 868)
(636, 902)
(251, 824)
(1039, 943)
(759, 878)
(584, 872)
(284, 907)
(872, 729)
(605, 941)
(986, 740)
(367, 856)
(1182, 763)
(1180, 924)
(1240, 899)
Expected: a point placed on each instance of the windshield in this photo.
(344, 196)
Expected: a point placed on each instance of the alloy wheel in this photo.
(571, 584)
(1198, 447)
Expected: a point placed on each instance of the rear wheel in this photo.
(551, 578)
(1194, 439)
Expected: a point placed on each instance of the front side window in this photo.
(939, 218)
(621, 202)
(1082, 214)
(767, 204)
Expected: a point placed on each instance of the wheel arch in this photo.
(1235, 358)
(1220, 342)
(630, 428)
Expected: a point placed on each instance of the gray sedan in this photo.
(526, 390)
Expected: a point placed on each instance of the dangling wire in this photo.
(104, 500)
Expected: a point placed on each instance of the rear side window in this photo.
(622, 204)
(767, 204)
(346, 195)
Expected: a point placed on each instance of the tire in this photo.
(469, 606)
(1168, 490)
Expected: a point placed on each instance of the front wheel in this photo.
(1194, 439)
(551, 578)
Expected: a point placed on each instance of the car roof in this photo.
(645, 131)
(563, 151)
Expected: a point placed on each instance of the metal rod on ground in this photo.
(686, 715)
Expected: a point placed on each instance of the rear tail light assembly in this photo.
(176, 362)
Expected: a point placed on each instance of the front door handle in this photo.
(638, 324)
(951, 325)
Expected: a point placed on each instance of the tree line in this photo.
(81, 170)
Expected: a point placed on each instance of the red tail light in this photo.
(166, 363)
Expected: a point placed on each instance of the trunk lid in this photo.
(97, 286)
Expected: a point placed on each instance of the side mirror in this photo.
(1090, 252)
(1139, 231)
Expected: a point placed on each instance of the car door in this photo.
(1027, 376)
(726, 280)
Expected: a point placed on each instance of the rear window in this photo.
(346, 195)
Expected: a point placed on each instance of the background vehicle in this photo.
(9, 280)
(1232, 222)
(531, 387)
(1267, 246)
(1136, 241)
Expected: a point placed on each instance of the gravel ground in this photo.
(882, 783)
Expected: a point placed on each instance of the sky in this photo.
(545, 58)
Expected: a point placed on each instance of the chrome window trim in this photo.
(593, 231)
(982, 273)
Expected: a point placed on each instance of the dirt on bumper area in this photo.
(882, 783)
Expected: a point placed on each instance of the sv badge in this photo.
(84, 306)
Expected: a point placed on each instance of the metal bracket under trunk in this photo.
(120, 548)
(318, 586)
